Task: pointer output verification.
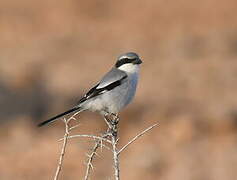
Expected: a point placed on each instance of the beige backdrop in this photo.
(52, 51)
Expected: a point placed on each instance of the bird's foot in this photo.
(115, 119)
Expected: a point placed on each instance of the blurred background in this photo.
(52, 51)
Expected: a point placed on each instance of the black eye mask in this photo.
(123, 61)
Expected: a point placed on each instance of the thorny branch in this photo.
(136, 137)
(60, 163)
(65, 139)
(88, 136)
(91, 156)
(114, 138)
(98, 143)
(110, 137)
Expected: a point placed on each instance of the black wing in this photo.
(95, 91)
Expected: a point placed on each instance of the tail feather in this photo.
(58, 116)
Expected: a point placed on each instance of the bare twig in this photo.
(73, 116)
(91, 156)
(115, 157)
(136, 137)
(106, 147)
(65, 139)
(113, 129)
(110, 137)
(107, 122)
(73, 127)
(87, 136)
(60, 163)
(98, 143)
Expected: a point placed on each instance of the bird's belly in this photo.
(113, 101)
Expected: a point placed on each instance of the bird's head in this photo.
(128, 62)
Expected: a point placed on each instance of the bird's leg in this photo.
(115, 119)
(111, 120)
(114, 124)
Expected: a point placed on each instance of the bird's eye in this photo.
(123, 61)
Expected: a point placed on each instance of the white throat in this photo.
(129, 68)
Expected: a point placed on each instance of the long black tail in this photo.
(58, 116)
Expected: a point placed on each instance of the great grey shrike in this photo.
(113, 92)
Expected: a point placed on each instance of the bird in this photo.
(113, 92)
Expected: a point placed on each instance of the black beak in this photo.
(138, 61)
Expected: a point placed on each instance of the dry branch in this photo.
(91, 156)
(136, 137)
(110, 137)
(88, 136)
(60, 163)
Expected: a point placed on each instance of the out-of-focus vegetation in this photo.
(51, 52)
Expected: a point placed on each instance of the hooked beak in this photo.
(138, 61)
